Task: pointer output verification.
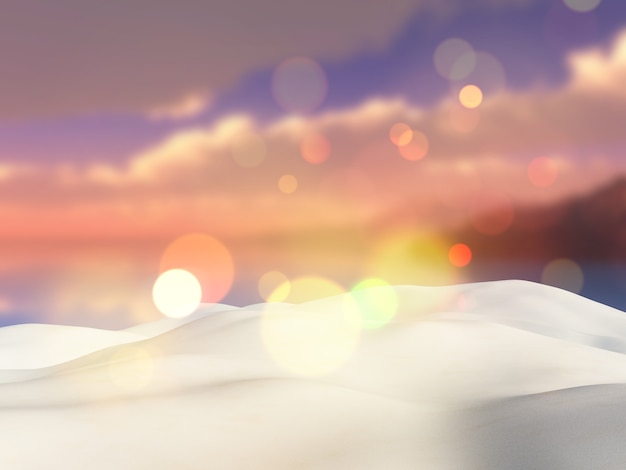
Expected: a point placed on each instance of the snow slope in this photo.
(506, 374)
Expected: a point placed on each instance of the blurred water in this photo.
(602, 282)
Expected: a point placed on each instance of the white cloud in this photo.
(561, 122)
(599, 70)
(188, 106)
(197, 170)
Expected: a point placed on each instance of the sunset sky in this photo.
(287, 137)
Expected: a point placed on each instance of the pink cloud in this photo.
(226, 177)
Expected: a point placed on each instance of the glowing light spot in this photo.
(131, 368)
(176, 293)
(299, 85)
(315, 149)
(488, 75)
(460, 255)
(274, 285)
(542, 172)
(563, 273)
(416, 149)
(308, 288)
(287, 184)
(491, 213)
(470, 96)
(377, 302)
(582, 5)
(454, 59)
(463, 119)
(315, 341)
(249, 150)
(204, 257)
(400, 134)
(405, 257)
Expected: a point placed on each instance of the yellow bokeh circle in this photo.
(311, 338)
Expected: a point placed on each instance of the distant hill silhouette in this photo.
(591, 228)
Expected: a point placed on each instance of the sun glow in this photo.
(177, 293)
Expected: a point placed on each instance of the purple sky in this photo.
(530, 39)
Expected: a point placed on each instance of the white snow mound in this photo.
(506, 374)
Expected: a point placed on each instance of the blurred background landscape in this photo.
(256, 144)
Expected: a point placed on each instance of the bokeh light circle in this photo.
(206, 258)
(315, 149)
(306, 289)
(563, 273)
(299, 85)
(488, 74)
(568, 25)
(311, 340)
(407, 257)
(417, 148)
(460, 255)
(470, 96)
(274, 285)
(582, 6)
(454, 59)
(177, 293)
(543, 172)
(377, 301)
(287, 184)
(400, 134)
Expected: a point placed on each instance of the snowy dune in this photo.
(506, 374)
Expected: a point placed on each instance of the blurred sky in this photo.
(346, 139)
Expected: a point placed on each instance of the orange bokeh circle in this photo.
(204, 257)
